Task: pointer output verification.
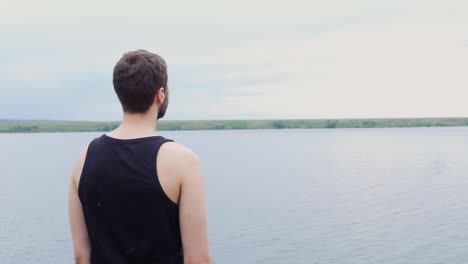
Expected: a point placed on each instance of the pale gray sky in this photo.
(239, 59)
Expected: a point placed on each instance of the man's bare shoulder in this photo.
(178, 156)
(80, 160)
(178, 153)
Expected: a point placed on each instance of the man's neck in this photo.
(136, 126)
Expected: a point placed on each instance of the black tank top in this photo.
(128, 216)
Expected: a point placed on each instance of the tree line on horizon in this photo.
(31, 126)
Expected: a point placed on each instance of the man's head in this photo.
(140, 80)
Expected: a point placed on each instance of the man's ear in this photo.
(160, 96)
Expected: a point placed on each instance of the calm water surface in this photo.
(391, 196)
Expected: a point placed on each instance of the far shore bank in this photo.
(32, 126)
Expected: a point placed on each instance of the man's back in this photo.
(129, 217)
(135, 200)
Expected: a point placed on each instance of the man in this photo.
(137, 197)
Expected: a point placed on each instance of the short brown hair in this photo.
(137, 77)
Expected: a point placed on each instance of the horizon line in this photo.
(258, 119)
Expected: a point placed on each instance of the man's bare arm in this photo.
(79, 232)
(192, 209)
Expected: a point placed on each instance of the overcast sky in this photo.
(239, 59)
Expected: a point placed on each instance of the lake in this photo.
(387, 195)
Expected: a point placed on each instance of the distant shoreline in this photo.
(33, 126)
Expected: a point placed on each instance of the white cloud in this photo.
(395, 69)
(294, 59)
(242, 13)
